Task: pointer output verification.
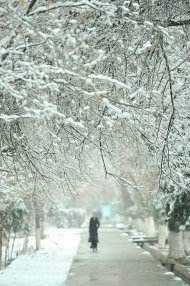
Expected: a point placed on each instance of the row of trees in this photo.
(82, 75)
(19, 219)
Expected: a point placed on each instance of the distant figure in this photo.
(93, 231)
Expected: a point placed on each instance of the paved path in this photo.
(117, 262)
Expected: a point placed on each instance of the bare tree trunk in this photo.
(162, 235)
(37, 210)
(14, 238)
(176, 247)
(38, 232)
(186, 241)
(7, 250)
(30, 222)
(139, 224)
(149, 226)
(42, 224)
(1, 245)
(25, 243)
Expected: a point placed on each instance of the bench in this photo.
(143, 239)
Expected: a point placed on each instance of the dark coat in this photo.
(93, 231)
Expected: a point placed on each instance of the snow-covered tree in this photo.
(80, 75)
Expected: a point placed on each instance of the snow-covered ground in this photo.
(49, 266)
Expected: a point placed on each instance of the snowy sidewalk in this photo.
(117, 262)
(49, 266)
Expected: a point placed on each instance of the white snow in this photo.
(146, 253)
(177, 279)
(49, 266)
(124, 234)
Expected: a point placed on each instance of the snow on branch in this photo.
(43, 9)
(105, 78)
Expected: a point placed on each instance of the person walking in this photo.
(93, 231)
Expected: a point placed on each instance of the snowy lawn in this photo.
(49, 266)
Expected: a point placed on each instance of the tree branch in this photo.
(32, 3)
(178, 23)
(66, 4)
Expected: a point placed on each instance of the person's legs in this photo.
(95, 246)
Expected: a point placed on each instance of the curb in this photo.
(180, 270)
(183, 272)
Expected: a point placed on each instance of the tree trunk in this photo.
(186, 241)
(25, 243)
(42, 224)
(149, 226)
(1, 245)
(37, 209)
(162, 235)
(7, 250)
(139, 224)
(176, 247)
(38, 232)
(29, 223)
(14, 238)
